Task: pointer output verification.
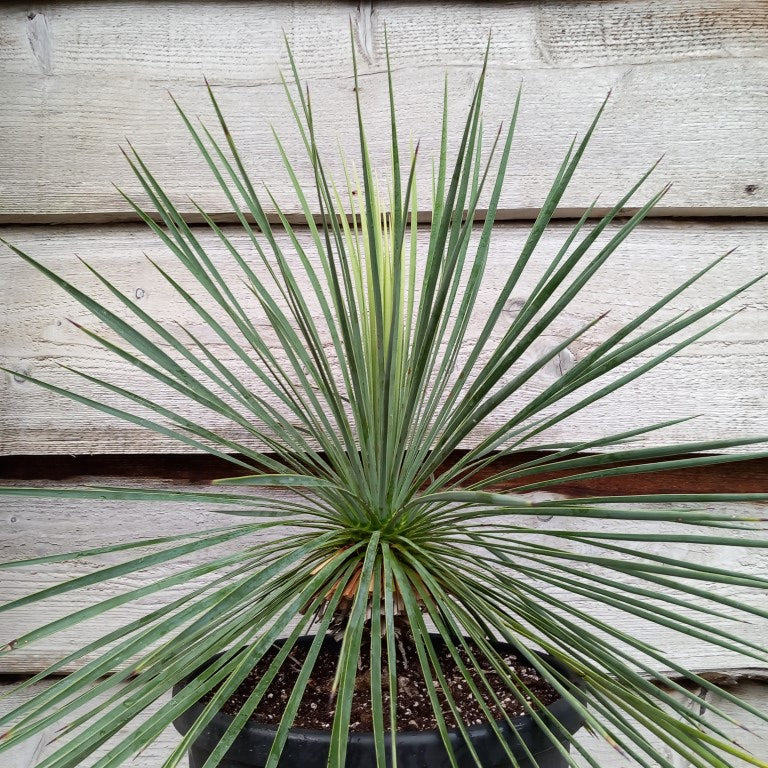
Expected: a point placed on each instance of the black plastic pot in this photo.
(415, 749)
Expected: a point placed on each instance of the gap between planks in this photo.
(748, 476)
(702, 214)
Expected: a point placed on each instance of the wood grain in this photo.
(687, 79)
(722, 376)
(33, 527)
(35, 750)
(754, 734)
(38, 527)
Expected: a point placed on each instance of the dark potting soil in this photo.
(414, 708)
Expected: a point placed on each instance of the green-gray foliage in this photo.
(371, 395)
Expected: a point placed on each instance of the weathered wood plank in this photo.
(79, 78)
(722, 376)
(34, 528)
(33, 752)
(753, 736)
(30, 755)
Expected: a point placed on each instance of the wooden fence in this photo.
(688, 79)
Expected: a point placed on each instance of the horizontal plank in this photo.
(38, 527)
(721, 376)
(33, 752)
(35, 528)
(753, 735)
(686, 79)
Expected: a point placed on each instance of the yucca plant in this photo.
(387, 541)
